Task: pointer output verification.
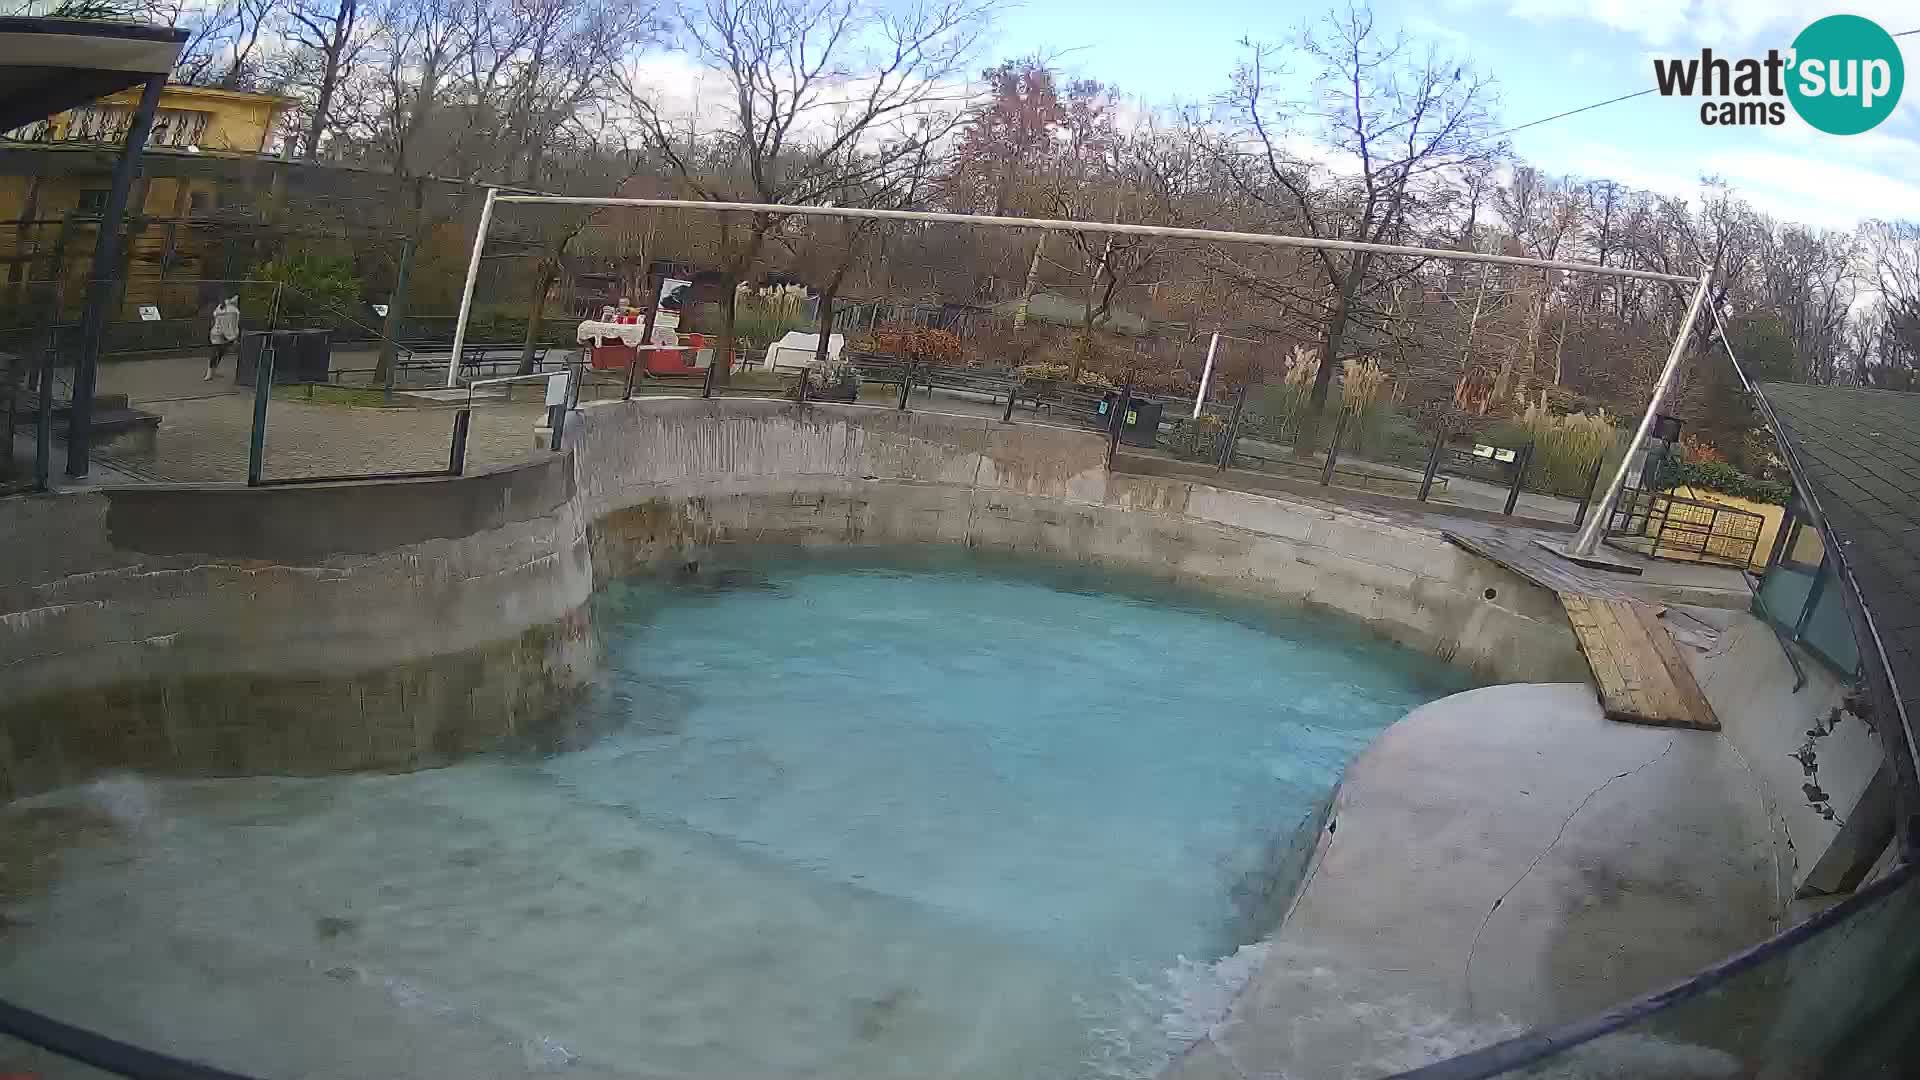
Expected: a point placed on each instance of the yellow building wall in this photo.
(236, 123)
(1773, 514)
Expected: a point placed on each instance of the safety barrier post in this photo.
(457, 453)
(1519, 478)
(1116, 421)
(1433, 465)
(1333, 449)
(1586, 495)
(1232, 439)
(262, 391)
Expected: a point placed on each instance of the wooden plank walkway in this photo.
(1640, 673)
(1538, 565)
(1642, 677)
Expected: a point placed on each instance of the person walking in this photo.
(226, 331)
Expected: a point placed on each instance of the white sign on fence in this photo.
(149, 313)
(557, 388)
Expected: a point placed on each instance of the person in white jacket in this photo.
(226, 331)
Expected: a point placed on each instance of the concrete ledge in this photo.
(314, 522)
(1502, 858)
(398, 717)
(136, 625)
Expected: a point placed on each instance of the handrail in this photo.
(499, 379)
(1540, 1043)
(101, 1052)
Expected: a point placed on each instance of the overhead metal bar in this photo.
(496, 196)
(1113, 227)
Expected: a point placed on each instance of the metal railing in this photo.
(567, 390)
(1665, 526)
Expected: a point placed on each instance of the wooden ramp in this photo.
(1642, 677)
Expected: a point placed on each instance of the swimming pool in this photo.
(841, 819)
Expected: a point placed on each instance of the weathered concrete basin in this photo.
(389, 626)
(1499, 858)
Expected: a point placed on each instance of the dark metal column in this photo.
(100, 283)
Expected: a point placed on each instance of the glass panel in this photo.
(1807, 550)
(1828, 630)
(1839, 1004)
(1784, 592)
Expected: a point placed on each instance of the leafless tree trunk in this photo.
(329, 33)
(803, 120)
(1402, 118)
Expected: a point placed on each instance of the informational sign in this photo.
(557, 389)
(1497, 453)
(149, 313)
(673, 293)
(380, 310)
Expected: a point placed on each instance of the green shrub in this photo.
(1565, 446)
(314, 284)
(1196, 439)
(1277, 411)
(1721, 477)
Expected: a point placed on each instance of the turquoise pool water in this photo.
(850, 821)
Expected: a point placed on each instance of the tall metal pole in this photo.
(100, 284)
(1206, 375)
(466, 293)
(1596, 526)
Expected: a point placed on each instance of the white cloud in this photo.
(1726, 24)
(1813, 190)
(1788, 183)
(1656, 20)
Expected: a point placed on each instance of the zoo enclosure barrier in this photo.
(1663, 525)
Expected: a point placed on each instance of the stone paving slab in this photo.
(204, 429)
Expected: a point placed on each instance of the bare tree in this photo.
(1540, 214)
(1807, 277)
(1396, 118)
(1891, 252)
(326, 30)
(223, 46)
(405, 108)
(551, 60)
(811, 81)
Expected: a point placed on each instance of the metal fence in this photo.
(1665, 526)
(342, 398)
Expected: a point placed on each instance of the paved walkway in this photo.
(204, 428)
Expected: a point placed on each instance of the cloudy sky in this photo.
(1550, 56)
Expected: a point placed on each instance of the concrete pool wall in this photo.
(663, 479)
(313, 629)
(232, 631)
